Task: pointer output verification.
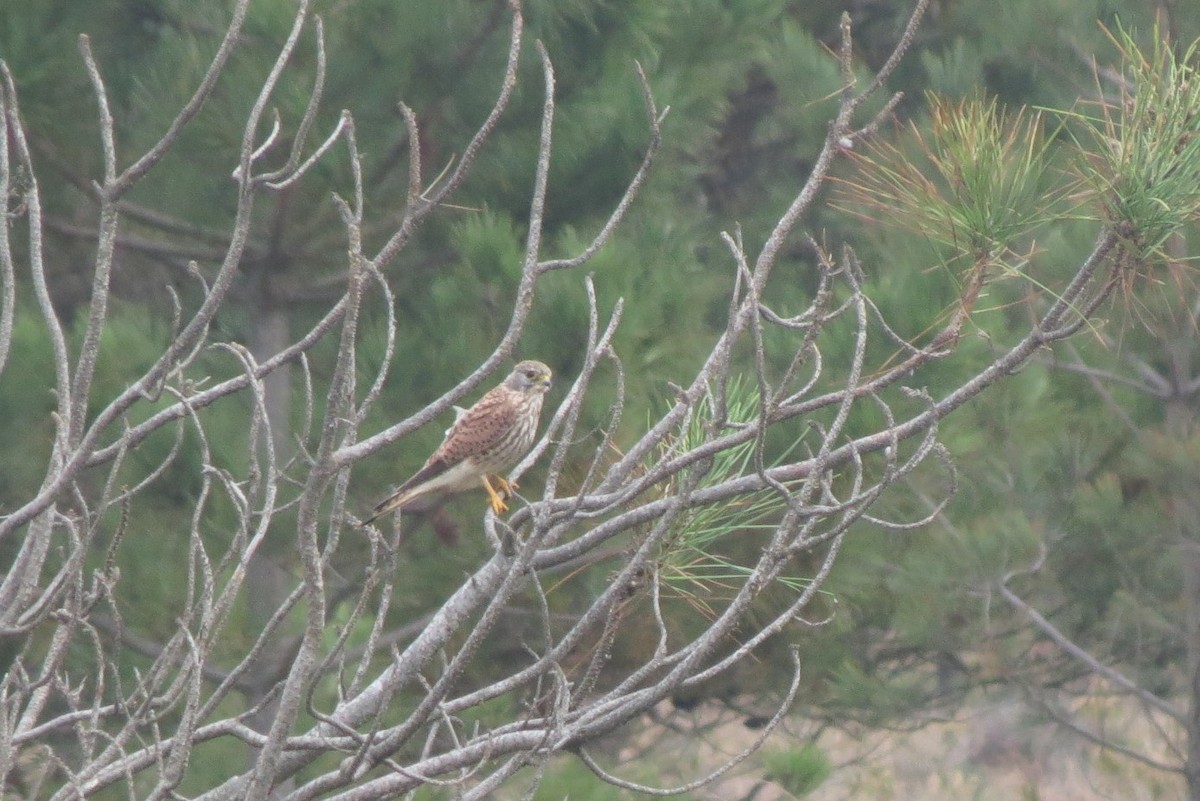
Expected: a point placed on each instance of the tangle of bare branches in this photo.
(362, 736)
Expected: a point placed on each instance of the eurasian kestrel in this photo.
(486, 439)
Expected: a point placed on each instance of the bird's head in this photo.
(530, 376)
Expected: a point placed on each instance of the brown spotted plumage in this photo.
(487, 439)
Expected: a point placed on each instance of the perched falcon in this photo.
(485, 440)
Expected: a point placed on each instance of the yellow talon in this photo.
(498, 504)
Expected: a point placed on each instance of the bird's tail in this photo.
(393, 502)
(425, 481)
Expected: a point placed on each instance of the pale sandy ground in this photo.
(998, 752)
(993, 751)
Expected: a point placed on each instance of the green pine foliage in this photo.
(1144, 149)
(1046, 464)
(797, 770)
(1090, 479)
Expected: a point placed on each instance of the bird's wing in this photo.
(478, 429)
(475, 431)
